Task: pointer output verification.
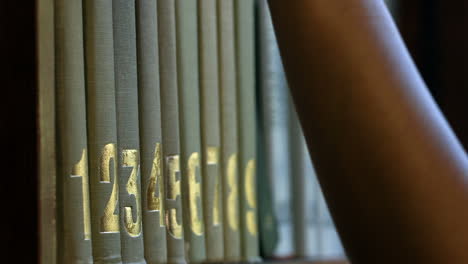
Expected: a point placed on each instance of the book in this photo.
(329, 243)
(152, 182)
(210, 129)
(304, 185)
(128, 147)
(229, 133)
(298, 180)
(29, 84)
(72, 156)
(102, 131)
(267, 224)
(245, 48)
(190, 135)
(170, 130)
(274, 96)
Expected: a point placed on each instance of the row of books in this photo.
(168, 114)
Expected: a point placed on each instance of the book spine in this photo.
(329, 242)
(296, 150)
(229, 135)
(274, 98)
(170, 130)
(245, 47)
(210, 130)
(154, 227)
(267, 222)
(102, 131)
(311, 191)
(190, 137)
(126, 91)
(75, 238)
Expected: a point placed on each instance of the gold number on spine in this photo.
(173, 191)
(109, 221)
(232, 201)
(81, 170)
(213, 160)
(131, 158)
(194, 194)
(155, 191)
(251, 218)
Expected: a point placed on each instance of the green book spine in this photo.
(296, 150)
(229, 135)
(126, 91)
(270, 79)
(75, 238)
(245, 47)
(154, 229)
(102, 131)
(211, 129)
(170, 130)
(190, 137)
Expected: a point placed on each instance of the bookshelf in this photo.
(46, 134)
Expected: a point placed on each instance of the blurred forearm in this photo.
(392, 171)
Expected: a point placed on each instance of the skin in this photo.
(393, 172)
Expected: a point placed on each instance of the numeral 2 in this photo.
(110, 220)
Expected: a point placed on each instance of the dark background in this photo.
(18, 137)
(436, 33)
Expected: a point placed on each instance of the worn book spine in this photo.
(72, 156)
(154, 227)
(126, 91)
(102, 131)
(245, 48)
(274, 97)
(229, 133)
(190, 137)
(170, 130)
(210, 129)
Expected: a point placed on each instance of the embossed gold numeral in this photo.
(81, 170)
(109, 221)
(131, 158)
(194, 194)
(232, 201)
(212, 154)
(251, 218)
(173, 191)
(155, 192)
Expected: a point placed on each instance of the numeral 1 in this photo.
(81, 170)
